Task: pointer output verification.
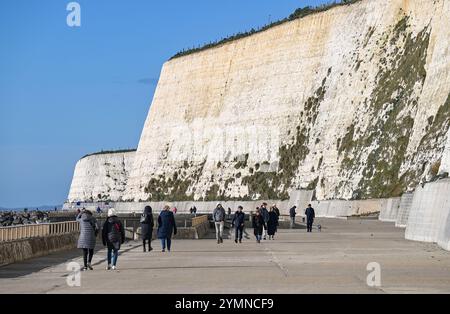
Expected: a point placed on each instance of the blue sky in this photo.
(66, 92)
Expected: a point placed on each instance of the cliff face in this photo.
(352, 102)
(101, 177)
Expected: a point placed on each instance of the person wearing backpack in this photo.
(147, 225)
(87, 238)
(113, 235)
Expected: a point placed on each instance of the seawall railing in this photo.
(196, 221)
(38, 230)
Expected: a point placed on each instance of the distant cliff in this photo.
(101, 177)
(352, 102)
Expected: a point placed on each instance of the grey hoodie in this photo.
(219, 214)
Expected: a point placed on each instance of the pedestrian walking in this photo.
(292, 214)
(88, 235)
(219, 222)
(147, 225)
(258, 225)
(166, 226)
(310, 215)
(265, 215)
(113, 236)
(272, 224)
(238, 224)
(276, 210)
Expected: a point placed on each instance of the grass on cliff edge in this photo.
(104, 152)
(297, 14)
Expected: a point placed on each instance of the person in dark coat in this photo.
(277, 211)
(88, 234)
(265, 215)
(238, 224)
(166, 226)
(310, 215)
(258, 225)
(292, 214)
(113, 235)
(147, 225)
(272, 223)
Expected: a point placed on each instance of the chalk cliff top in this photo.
(297, 14)
(107, 152)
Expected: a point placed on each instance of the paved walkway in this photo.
(333, 261)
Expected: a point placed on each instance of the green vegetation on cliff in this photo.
(392, 105)
(106, 152)
(297, 14)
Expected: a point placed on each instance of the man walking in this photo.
(265, 215)
(292, 214)
(238, 223)
(310, 215)
(219, 222)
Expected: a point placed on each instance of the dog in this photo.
(319, 227)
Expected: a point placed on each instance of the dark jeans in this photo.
(238, 231)
(164, 241)
(149, 243)
(309, 224)
(114, 255)
(87, 256)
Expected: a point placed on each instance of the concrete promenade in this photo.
(333, 261)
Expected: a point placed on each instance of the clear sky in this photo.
(66, 92)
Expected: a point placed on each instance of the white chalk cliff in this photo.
(352, 102)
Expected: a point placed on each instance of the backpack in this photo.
(143, 218)
(114, 235)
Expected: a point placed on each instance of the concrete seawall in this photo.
(344, 208)
(429, 216)
(404, 209)
(326, 208)
(390, 212)
(19, 250)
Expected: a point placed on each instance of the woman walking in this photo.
(272, 223)
(147, 227)
(258, 225)
(87, 238)
(166, 225)
(113, 235)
